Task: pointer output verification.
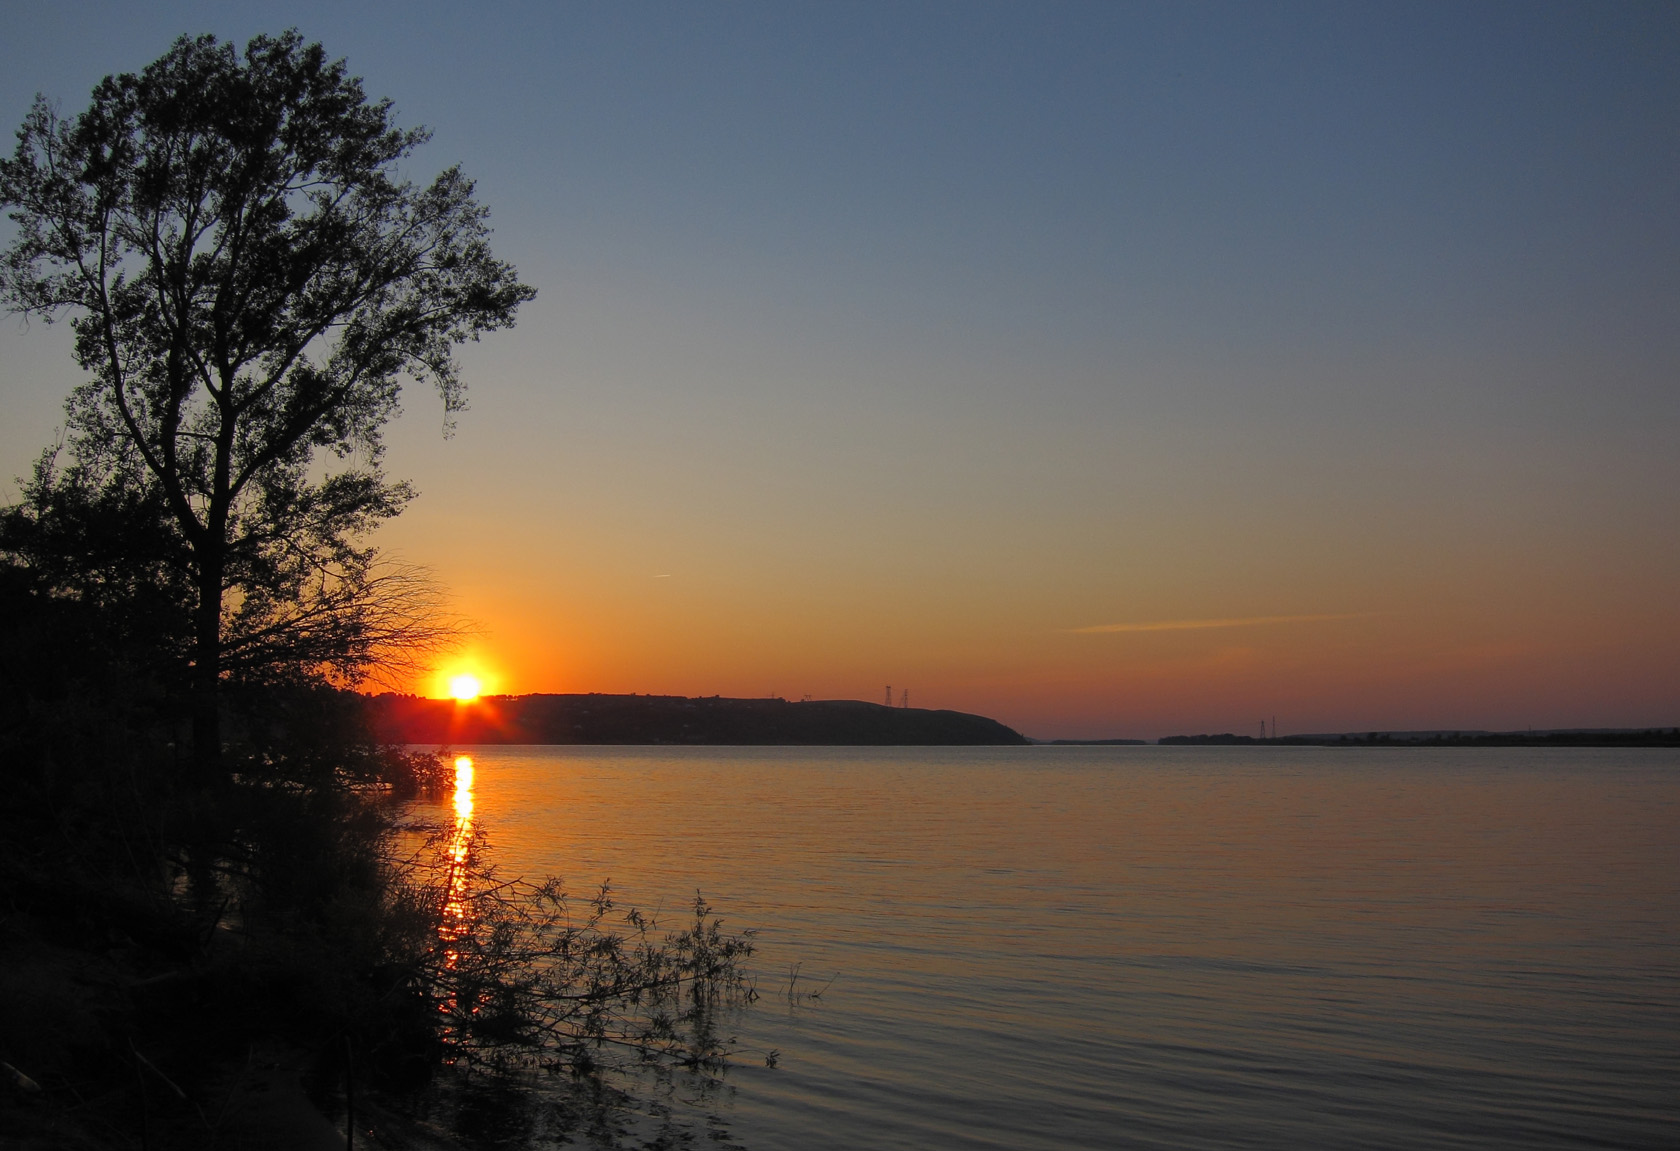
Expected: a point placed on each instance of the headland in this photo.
(674, 719)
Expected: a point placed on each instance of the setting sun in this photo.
(464, 687)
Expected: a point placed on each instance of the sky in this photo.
(1109, 369)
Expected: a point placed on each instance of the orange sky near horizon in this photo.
(1353, 613)
(1384, 674)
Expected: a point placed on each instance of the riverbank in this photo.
(1561, 737)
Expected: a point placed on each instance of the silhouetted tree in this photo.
(248, 279)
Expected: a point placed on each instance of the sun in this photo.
(464, 687)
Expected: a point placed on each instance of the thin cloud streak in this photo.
(1204, 624)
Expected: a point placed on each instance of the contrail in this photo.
(1200, 624)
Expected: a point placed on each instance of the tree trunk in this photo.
(206, 672)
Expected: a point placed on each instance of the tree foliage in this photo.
(249, 279)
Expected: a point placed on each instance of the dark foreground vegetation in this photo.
(673, 719)
(188, 966)
(215, 931)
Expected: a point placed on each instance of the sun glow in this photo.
(464, 687)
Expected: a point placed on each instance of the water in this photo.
(1156, 947)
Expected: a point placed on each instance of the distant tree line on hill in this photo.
(661, 719)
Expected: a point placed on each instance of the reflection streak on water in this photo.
(455, 897)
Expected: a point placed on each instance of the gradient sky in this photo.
(1107, 369)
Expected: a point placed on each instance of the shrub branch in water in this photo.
(526, 976)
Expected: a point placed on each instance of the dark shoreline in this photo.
(596, 718)
(1614, 737)
(673, 719)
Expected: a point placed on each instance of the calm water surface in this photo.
(1156, 947)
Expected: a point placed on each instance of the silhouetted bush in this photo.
(157, 927)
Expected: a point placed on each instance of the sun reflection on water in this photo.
(455, 898)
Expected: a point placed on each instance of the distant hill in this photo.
(673, 719)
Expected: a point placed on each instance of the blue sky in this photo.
(904, 341)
